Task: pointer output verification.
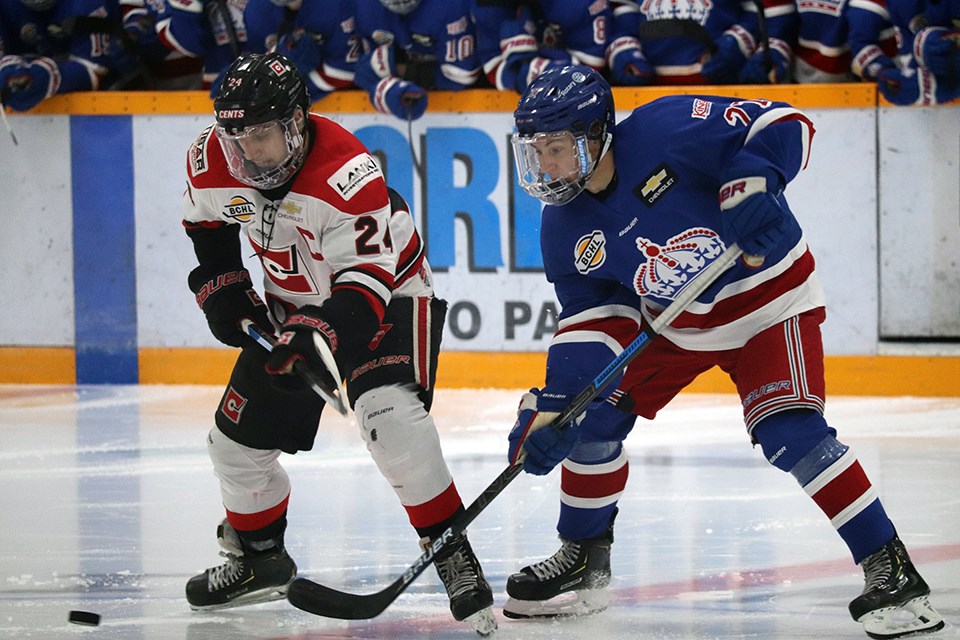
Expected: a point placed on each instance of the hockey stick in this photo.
(335, 397)
(6, 123)
(764, 40)
(323, 601)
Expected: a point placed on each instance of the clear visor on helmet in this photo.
(553, 167)
(263, 155)
(402, 7)
(39, 5)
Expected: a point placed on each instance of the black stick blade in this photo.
(319, 600)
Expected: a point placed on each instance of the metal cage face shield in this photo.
(265, 155)
(553, 167)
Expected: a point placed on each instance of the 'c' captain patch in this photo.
(656, 185)
(590, 252)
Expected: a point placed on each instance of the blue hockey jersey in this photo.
(79, 57)
(519, 40)
(217, 32)
(436, 42)
(626, 253)
(324, 45)
(678, 59)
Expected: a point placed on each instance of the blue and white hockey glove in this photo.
(725, 63)
(936, 49)
(541, 449)
(628, 67)
(26, 83)
(401, 98)
(915, 87)
(305, 337)
(752, 215)
(755, 69)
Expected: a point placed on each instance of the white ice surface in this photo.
(108, 504)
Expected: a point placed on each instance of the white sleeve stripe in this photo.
(163, 28)
(337, 73)
(459, 75)
(775, 115)
(318, 80)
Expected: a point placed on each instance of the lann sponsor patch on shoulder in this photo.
(354, 174)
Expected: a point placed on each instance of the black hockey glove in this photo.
(305, 337)
(226, 299)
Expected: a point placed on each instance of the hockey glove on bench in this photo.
(541, 449)
(226, 299)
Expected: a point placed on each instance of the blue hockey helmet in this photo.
(560, 114)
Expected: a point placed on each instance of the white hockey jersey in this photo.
(333, 229)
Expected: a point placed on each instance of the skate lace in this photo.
(457, 574)
(877, 569)
(558, 562)
(227, 573)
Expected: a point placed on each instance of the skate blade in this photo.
(913, 618)
(256, 597)
(570, 604)
(483, 621)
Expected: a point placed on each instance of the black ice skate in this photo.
(572, 582)
(245, 578)
(471, 599)
(894, 602)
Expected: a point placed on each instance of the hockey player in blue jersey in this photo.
(929, 56)
(412, 46)
(633, 212)
(48, 47)
(217, 31)
(519, 39)
(324, 45)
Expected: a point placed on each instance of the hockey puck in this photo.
(85, 618)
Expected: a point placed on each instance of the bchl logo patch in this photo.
(666, 269)
(239, 208)
(590, 252)
(354, 174)
(656, 185)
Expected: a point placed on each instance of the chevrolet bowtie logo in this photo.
(653, 182)
(658, 183)
(290, 208)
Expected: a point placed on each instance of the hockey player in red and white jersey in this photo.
(347, 283)
(843, 41)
